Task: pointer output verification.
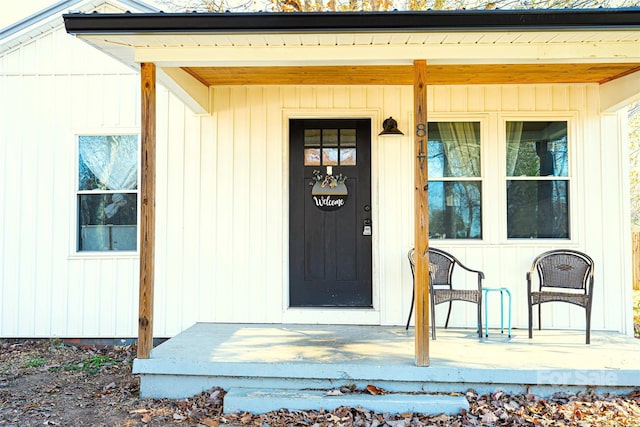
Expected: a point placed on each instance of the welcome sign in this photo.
(329, 198)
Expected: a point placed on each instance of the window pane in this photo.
(538, 209)
(108, 162)
(454, 149)
(347, 137)
(537, 149)
(312, 137)
(311, 156)
(455, 210)
(107, 221)
(348, 156)
(330, 156)
(329, 137)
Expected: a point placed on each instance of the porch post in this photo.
(421, 212)
(147, 208)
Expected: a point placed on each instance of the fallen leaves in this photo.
(107, 394)
(371, 389)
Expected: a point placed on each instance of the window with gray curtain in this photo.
(107, 192)
(537, 166)
(455, 180)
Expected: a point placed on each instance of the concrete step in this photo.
(259, 401)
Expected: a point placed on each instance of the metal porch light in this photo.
(390, 127)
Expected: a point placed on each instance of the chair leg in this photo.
(588, 325)
(539, 316)
(446, 323)
(480, 318)
(530, 318)
(413, 298)
(432, 309)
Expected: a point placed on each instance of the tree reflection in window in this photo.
(537, 166)
(107, 192)
(455, 181)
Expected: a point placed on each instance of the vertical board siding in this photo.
(45, 291)
(594, 153)
(222, 198)
(260, 188)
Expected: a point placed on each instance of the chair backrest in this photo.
(564, 268)
(440, 266)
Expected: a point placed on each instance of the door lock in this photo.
(366, 228)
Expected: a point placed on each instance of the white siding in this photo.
(222, 198)
(54, 88)
(243, 202)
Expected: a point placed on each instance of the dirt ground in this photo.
(50, 383)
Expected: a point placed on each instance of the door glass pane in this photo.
(347, 137)
(348, 156)
(538, 209)
(329, 147)
(312, 147)
(455, 210)
(330, 156)
(312, 137)
(537, 149)
(329, 137)
(312, 157)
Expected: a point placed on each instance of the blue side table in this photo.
(486, 309)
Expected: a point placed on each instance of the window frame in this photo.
(573, 187)
(494, 175)
(483, 120)
(74, 243)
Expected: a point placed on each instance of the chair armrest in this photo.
(590, 286)
(471, 270)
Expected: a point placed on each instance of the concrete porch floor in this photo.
(321, 357)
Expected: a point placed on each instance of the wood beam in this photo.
(421, 212)
(305, 75)
(619, 93)
(147, 208)
(452, 74)
(193, 92)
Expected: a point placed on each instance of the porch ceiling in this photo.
(196, 51)
(469, 57)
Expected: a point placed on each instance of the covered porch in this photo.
(287, 357)
(406, 63)
(210, 61)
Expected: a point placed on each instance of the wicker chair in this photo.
(441, 265)
(563, 276)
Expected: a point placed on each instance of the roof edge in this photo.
(306, 22)
(62, 6)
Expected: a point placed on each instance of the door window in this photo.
(329, 147)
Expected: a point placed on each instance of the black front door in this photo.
(329, 235)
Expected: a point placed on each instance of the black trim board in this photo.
(313, 22)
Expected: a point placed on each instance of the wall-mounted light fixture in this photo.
(390, 127)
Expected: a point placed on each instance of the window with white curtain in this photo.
(537, 166)
(455, 180)
(107, 193)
